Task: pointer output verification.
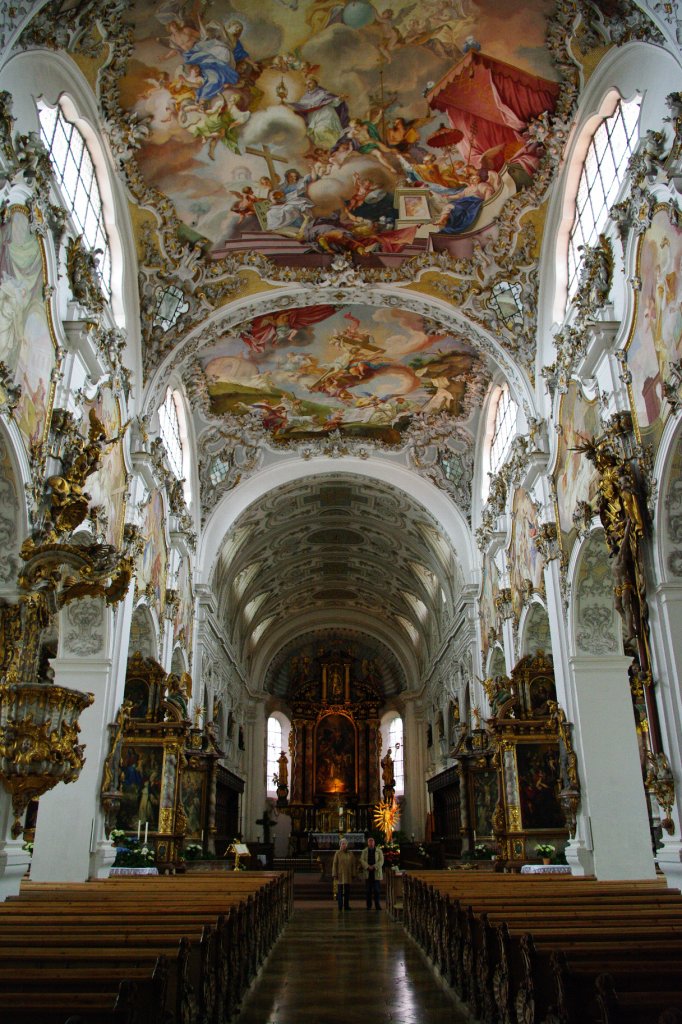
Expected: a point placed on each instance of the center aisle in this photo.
(349, 967)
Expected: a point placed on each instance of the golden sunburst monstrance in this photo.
(386, 814)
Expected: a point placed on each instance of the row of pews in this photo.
(551, 949)
(151, 950)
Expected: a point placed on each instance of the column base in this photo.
(14, 863)
(669, 861)
(579, 858)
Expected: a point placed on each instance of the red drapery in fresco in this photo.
(491, 103)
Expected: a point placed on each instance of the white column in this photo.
(613, 796)
(253, 800)
(13, 859)
(414, 767)
(69, 843)
(666, 628)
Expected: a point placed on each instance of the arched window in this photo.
(602, 175)
(174, 435)
(395, 742)
(504, 428)
(274, 750)
(77, 182)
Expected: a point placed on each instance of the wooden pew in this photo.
(122, 950)
(494, 937)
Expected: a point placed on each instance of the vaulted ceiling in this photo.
(347, 552)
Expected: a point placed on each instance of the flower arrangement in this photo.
(116, 835)
(391, 854)
(483, 852)
(545, 850)
(193, 851)
(134, 855)
(27, 848)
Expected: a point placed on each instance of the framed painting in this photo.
(335, 755)
(141, 777)
(193, 793)
(539, 783)
(484, 797)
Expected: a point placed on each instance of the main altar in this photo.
(334, 746)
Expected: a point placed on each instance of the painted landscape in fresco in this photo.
(107, 487)
(26, 346)
(524, 558)
(576, 479)
(304, 127)
(657, 330)
(320, 368)
(152, 565)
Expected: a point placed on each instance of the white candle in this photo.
(202, 835)
(139, 826)
(146, 831)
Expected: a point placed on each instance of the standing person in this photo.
(372, 863)
(343, 871)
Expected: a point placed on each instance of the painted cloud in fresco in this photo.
(307, 127)
(320, 368)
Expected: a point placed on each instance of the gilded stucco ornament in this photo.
(10, 393)
(83, 275)
(661, 783)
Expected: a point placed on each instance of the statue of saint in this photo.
(283, 777)
(387, 770)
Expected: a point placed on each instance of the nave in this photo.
(358, 966)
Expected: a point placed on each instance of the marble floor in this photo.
(347, 968)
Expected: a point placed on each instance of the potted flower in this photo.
(391, 855)
(134, 855)
(483, 852)
(117, 837)
(546, 851)
(193, 851)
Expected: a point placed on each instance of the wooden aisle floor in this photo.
(346, 968)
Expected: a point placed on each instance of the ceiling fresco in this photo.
(301, 128)
(359, 370)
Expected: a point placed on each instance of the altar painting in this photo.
(26, 345)
(301, 127)
(152, 564)
(362, 370)
(656, 335)
(539, 782)
(141, 775)
(192, 796)
(335, 755)
(576, 478)
(485, 794)
(107, 487)
(525, 562)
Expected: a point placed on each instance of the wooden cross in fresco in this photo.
(270, 161)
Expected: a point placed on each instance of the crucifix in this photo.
(270, 161)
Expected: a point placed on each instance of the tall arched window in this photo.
(274, 750)
(504, 428)
(77, 181)
(173, 432)
(395, 742)
(602, 175)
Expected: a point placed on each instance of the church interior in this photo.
(340, 466)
